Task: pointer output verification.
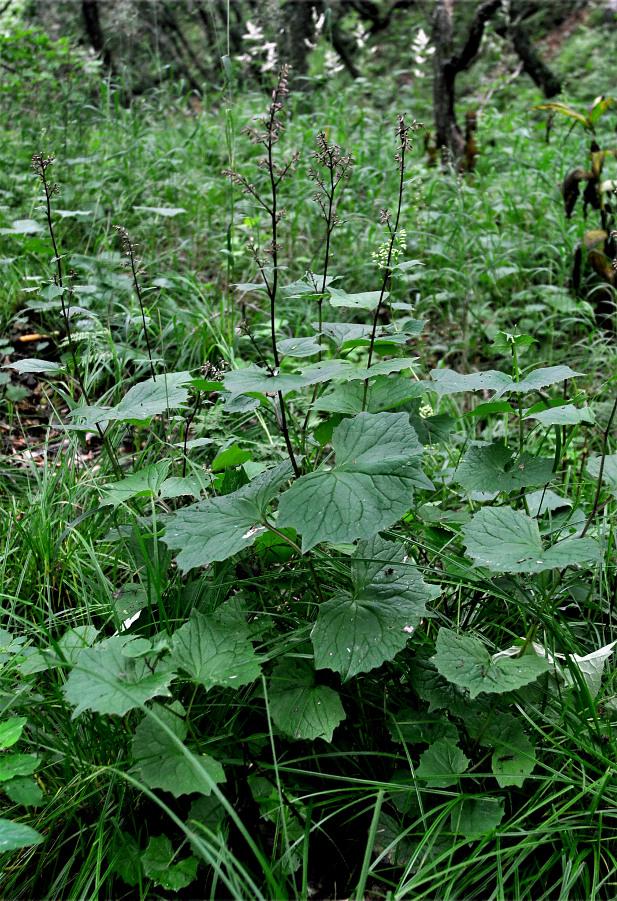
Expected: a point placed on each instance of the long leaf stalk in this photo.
(134, 264)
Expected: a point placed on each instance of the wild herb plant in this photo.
(597, 246)
(378, 631)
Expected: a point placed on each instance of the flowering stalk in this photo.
(387, 259)
(329, 157)
(134, 264)
(268, 137)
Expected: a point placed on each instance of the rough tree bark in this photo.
(447, 65)
(92, 24)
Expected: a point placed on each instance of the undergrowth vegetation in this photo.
(308, 569)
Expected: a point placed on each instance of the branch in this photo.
(460, 61)
(368, 9)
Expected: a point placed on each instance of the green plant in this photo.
(387, 627)
(599, 244)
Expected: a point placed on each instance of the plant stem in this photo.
(298, 550)
(40, 164)
(403, 133)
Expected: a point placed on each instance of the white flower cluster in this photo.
(380, 256)
(420, 52)
(425, 411)
(258, 51)
(318, 23)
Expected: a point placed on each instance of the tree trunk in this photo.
(448, 135)
(446, 66)
(298, 27)
(92, 23)
(533, 64)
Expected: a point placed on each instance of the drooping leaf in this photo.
(22, 227)
(107, 679)
(216, 528)
(231, 456)
(566, 414)
(12, 765)
(505, 341)
(591, 667)
(127, 859)
(66, 650)
(17, 835)
(10, 645)
(448, 381)
(495, 468)
(476, 816)
(141, 402)
(340, 332)
(357, 631)
(176, 486)
(253, 379)
(506, 540)
(441, 694)
(381, 367)
(441, 765)
(514, 756)
(151, 398)
(160, 763)
(157, 861)
(213, 650)
(541, 501)
(145, 482)
(541, 378)
(208, 812)
(433, 429)
(492, 407)
(317, 373)
(32, 365)
(609, 470)
(466, 662)
(299, 347)
(370, 485)
(367, 300)
(167, 211)
(299, 706)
